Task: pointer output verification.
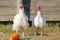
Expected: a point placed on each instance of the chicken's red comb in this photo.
(21, 6)
(38, 8)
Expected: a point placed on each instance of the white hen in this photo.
(20, 20)
(39, 21)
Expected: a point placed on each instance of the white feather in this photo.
(20, 20)
(39, 20)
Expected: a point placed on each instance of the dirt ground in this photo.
(50, 33)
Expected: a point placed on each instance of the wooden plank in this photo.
(12, 3)
(47, 9)
(46, 2)
(6, 18)
(7, 10)
(48, 17)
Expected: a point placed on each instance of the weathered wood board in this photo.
(49, 8)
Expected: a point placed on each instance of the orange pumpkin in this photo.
(14, 36)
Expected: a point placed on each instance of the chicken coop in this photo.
(50, 9)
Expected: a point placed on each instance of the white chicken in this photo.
(38, 21)
(20, 20)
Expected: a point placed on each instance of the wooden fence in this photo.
(49, 8)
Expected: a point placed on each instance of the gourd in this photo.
(14, 36)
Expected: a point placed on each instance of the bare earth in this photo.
(49, 33)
